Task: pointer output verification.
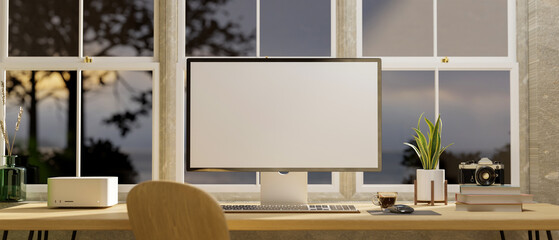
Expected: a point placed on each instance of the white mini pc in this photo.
(82, 191)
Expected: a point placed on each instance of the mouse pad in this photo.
(416, 212)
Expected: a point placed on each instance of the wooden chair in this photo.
(170, 210)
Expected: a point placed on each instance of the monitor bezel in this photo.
(189, 61)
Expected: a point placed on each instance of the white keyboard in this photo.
(314, 208)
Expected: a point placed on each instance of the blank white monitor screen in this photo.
(283, 114)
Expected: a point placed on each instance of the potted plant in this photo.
(12, 178)
(429, 150)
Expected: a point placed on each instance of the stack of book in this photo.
(495, 198)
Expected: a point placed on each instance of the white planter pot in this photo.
(424, 178)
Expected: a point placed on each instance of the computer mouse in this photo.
(399, 208)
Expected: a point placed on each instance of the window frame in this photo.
(76, 63)
(230, 191)
(434, 63)
(430, 63)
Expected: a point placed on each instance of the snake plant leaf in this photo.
(423, 146)
(428, 148)
(430, 124)
(422, 156)
(416, 151)
(435, 144)
(419, 121)
(432, 132)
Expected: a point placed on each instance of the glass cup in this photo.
(385, 199)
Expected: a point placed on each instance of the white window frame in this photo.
(333, 188)
(508, 63)
(76, 63)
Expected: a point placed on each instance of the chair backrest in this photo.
(170, 210)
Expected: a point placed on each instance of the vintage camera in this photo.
(485, 172)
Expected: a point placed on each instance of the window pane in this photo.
(118, 28)
(405, 95)
(221, 28)
(295, 28)
(397, 28)
(472, 28)
(117, 121)
(45, 142)
(475, 109)
(43, 28)
(319, 178)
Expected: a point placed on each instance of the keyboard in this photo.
(289, 209)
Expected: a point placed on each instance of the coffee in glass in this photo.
(385, 199)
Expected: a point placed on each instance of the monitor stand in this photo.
(285, 188)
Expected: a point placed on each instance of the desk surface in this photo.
(36, 216)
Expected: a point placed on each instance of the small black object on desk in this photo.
(400, 208)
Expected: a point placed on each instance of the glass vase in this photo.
(12, 181)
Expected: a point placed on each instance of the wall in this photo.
(543, 108)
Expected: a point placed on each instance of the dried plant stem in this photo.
(19, 115)
(5, 135)
(12, 147)
(3, 93)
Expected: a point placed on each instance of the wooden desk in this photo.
(35, 216)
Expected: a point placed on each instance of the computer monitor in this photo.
(283, 114)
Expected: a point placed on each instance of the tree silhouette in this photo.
(207, 35)
(99, 157)
(121, 27)
(50, 28)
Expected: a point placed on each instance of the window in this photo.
(472, 28)
(43, 30)
(295, 28)
(478, 101)
(42, 64)
(41, 144)
(116, 130)
(398, 28)
(475, 92)
(257, 28)
(411, 37)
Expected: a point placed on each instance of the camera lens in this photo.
(485, 176)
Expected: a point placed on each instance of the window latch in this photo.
(445, 60)
(88, 59)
